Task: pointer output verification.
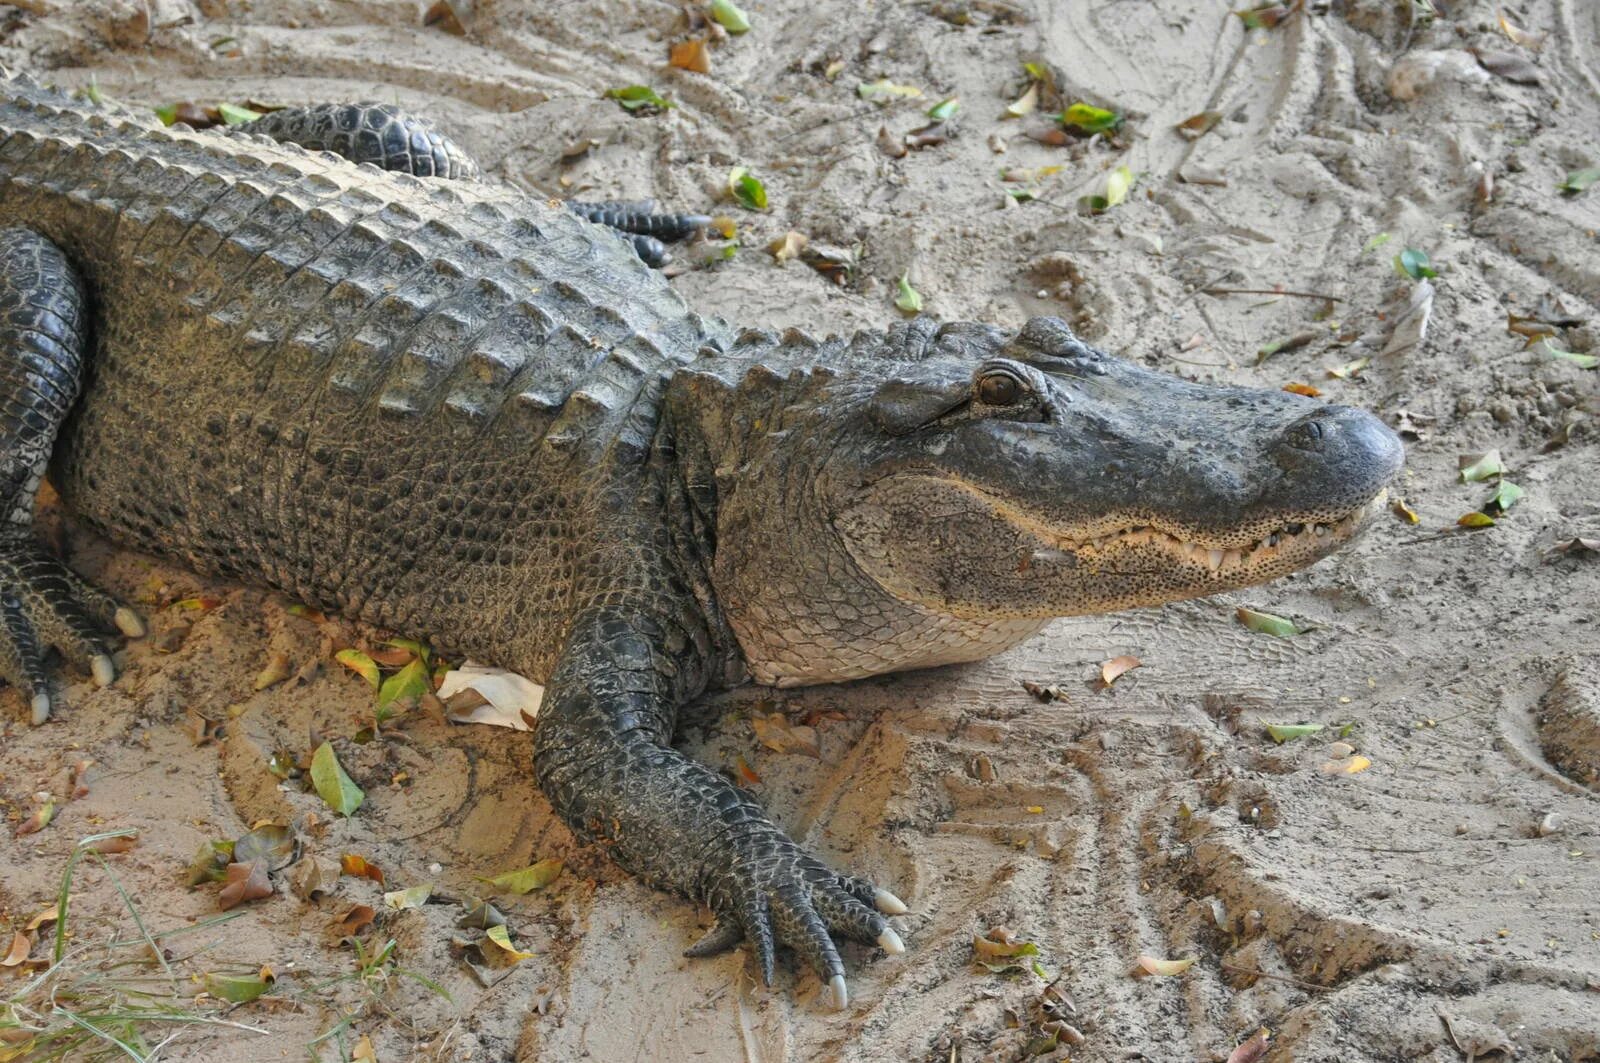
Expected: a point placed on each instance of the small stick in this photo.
(1271, 291)
(1274, 977)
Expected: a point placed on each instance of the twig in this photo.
(1271, 291)
(1274, 977)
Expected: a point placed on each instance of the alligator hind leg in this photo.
(394, 139)
(43, 333)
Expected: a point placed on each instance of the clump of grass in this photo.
(117, 999)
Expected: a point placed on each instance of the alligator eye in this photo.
(999, 389)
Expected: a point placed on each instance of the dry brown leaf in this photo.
(277, 670)
(443, 16)
(120, 844)
(890, 144)
(691, 54)
(49, 915)
(1251, 1050)
(1116, 667)
(356, 919)
(21, 945)
(1518, 35)
(1196, 126)
(747, 774)
(1294, 387)
(363, 1051)
(244, 882)
(788, 246)
(361, 867)
(779, 735)
(41, 816)
(1508, 65)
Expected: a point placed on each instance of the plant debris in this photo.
(1288, 732)
(336, 788)
(730, 16)
(1414, 264)
(1198, 125)
(1267, 623)
(774, 731)
(692, 54)
(244, 882)
(1579, 180)
(639, 99)
(1116, 667)
(1146, 966)
(1118, 184)
(747, 189)
(906, 297)
(1088, 119)
(527, 879)
(1508, 65)
(883, 91)
(1476, 468)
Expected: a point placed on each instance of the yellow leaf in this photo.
(500, 936)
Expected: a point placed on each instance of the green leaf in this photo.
(1267, 623)
(236, 990)
(361, 665)
(944, 109)
(907, 298)
(1582, 361)
(93, 93)
(233, 114)
(168, 113)
(1377, 242)
(421, 649)
(1087, 118)
(1505, 495)
(1288, 732)
(332, 784)
(210, 863)
(728, 15)
(638, 98)
(1414, 264)
(1476, 468)
(1578, 180)
(412, 681)
(533, 877)
(1036, 71)
(883, 90)
(747, 189)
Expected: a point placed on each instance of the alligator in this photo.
(392, 388)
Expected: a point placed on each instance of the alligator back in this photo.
(360, 387)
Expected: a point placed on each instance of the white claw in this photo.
(890, 942)
(841, 995)
(888, 903)
(129, 623)
(104, 671)
(41, 708)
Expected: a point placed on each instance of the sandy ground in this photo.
(1441, 903)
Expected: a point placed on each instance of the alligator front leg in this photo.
(43, 332)
(394, 139)
(602, 758)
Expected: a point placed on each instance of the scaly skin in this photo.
(452, 411)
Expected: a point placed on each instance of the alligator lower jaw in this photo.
(1298, 543)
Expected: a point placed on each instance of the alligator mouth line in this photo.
(1294, 540)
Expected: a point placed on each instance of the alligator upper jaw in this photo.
(1283, 547)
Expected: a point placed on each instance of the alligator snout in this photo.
(1331, 450)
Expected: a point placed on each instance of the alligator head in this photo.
(960, 500)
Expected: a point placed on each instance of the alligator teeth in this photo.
(1214, 559)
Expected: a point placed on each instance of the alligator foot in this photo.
(771, 892)
(638, 223)
(42, 602)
